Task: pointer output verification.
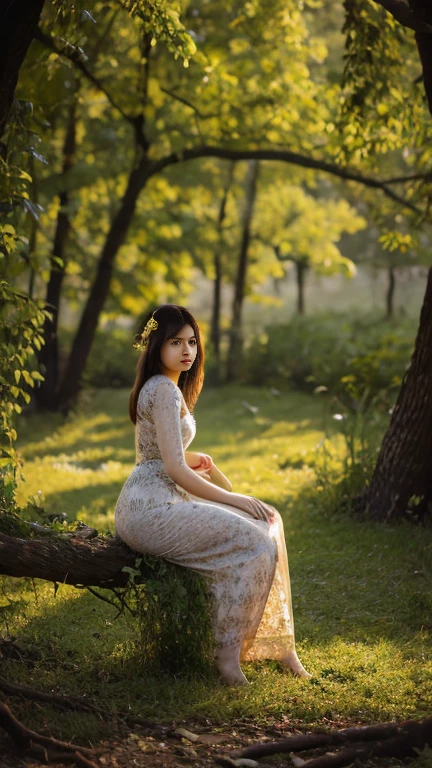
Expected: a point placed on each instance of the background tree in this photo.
(376, 47)
(303, 229)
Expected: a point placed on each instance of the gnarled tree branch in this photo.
(283, 155)
(94, 563)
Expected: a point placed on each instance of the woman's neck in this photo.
(172, 375)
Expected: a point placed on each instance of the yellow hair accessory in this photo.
(142, 339)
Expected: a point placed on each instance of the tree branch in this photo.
(189, 104)
(74, 55)
(286, 156)
(404, 15)
(384, 739)
(95, 563)
(44, 747)
(414, 177)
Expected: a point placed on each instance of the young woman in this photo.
(176, 504)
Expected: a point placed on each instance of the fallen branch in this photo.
(77, 560)
(382, 740)
(55, 699)
(45, 748)
(76, 704)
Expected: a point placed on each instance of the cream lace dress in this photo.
(245, 560)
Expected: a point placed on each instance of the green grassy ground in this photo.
(361, 592)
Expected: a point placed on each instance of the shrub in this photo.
(330, 351)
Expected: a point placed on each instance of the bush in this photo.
(330, 351)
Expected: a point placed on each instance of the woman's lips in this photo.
(186, 361)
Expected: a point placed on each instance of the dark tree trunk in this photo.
(18, 23)
(402, 482)
(47, 394)
(300, 268)
(34, 227)
(423, 11)
(83, 340)
(217, 283)
(236, 336)
(390, 291)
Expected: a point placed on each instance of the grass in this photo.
(361, 592)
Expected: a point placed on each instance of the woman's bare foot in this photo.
(292, 662)
(228, 664)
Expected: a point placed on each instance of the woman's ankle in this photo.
(228, 664)
(292, 662)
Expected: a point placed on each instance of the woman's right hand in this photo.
(256, 508)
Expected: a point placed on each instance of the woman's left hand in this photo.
(199, 461)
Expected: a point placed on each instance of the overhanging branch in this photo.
(426, 176)
(286, 156)
(74, 55)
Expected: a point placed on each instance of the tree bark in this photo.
(391, 285)
(300, 268)
(18, 23)
(47, 393)
(423, 11)
(95, 563)
(402, 482)
(81, 346)
(236, 335)
(217, 283)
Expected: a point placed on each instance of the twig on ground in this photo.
(44, 748)
(383, 740)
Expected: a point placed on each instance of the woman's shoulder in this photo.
(159, 382)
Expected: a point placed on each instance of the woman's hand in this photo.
(256, 508)
(198, 461)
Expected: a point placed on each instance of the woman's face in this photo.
(178, 354)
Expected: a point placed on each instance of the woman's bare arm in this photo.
(196, 485)
(166, 414)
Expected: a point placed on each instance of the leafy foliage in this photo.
(346, 356)
(383, 114)
(172, 607)
(20, 332)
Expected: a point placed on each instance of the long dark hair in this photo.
(171, 319)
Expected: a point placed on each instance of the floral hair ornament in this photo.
(142, 338)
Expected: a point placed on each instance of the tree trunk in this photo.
(300, 268)
(236, 336)
(390, 292)
(217, 283)
(402, 482)
(83, 340)
(18, 23)
(47, 394)
(95, 563)
(423, 11)
(34, 227)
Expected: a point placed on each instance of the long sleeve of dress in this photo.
(166, 418)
